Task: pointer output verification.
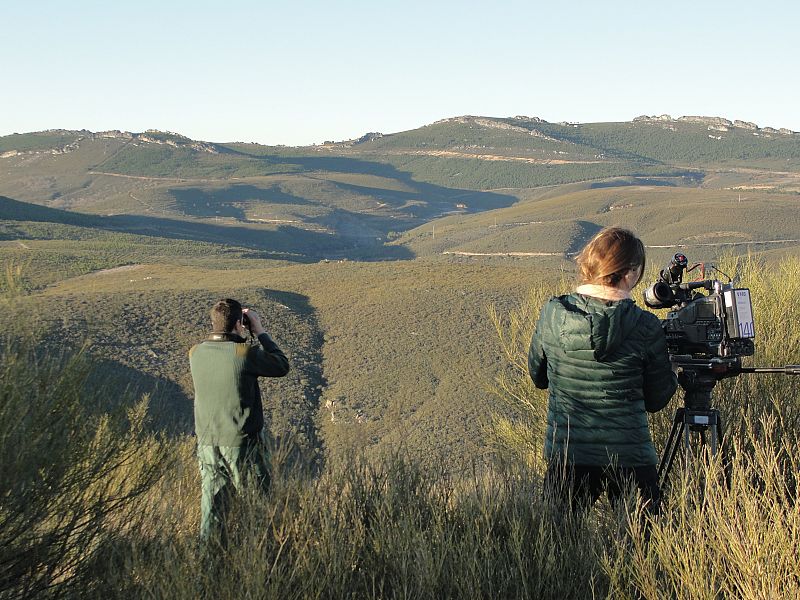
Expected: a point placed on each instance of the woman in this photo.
(605, 362)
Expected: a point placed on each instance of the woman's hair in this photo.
(609, 255)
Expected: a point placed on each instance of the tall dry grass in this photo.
(391, 529)
(66, 477)
(711, 541)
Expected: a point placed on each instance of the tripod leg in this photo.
(702, 435)
(687, 441)
(671, 447)
(726, 459)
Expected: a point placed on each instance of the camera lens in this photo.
(659, 295)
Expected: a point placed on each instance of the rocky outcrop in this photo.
(490, 123)
(176, 140)
(706, 120)
(369, 137)
(654, 118)
(539, 134)
(205, 147)
(714, 123)
(151, 136)
(71, 146)
(114, 134)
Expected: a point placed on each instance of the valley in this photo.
(376, 261)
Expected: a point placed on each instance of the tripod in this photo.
(698, 378)
(697, 416)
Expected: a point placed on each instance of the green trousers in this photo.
(224, 470)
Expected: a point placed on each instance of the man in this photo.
(228, 414)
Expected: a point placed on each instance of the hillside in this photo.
(435, 511)
(381, 352)
(709, 222)
(350, 199)
(374, 259)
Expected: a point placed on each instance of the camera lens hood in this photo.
(659, 295)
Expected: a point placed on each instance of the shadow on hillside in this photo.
(422, 205)
(422, 190)
(585, 232)
(285, 243)
(442, 199)
(227, 201)
(294, 417)
(685, 179)
(357, 235)
(596, 185)
(169, 409)
(16, 210)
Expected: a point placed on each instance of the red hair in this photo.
(609, 255)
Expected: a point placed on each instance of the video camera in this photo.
(707, 336)
(717, 325)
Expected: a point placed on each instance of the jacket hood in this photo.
(599, 325)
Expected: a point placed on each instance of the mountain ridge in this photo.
(175, 139)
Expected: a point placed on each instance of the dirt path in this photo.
(111, 271)
(517, 254)
(497, 157)
(712, 244)
(146, 178)
(677, 245)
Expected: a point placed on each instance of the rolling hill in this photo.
(375, 259)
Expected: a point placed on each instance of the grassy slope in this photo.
(402, 341)
(389, 528)
(661, 215)
(142, 333)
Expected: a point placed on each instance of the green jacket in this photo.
(606, 365)
(227, 401)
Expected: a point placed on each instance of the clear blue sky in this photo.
(297, 72)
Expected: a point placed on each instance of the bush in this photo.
(68, 470)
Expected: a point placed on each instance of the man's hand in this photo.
(255, 321)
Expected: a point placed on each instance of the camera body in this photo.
(246, 323)
(717, 324)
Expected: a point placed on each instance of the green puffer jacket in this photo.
(606, 364)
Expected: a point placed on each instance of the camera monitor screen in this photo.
(739, 311)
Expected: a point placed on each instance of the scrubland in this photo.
(93, 503)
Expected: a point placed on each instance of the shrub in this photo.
(68, 470)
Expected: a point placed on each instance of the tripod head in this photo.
(698, 376)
